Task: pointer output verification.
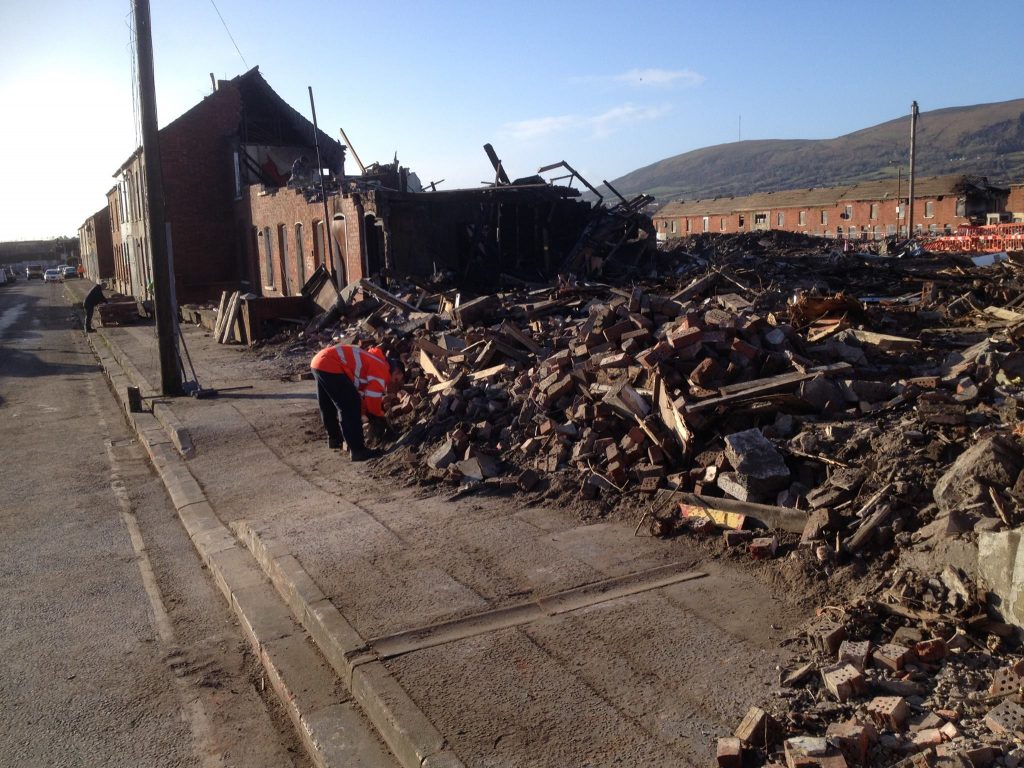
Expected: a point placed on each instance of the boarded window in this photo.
(803, 218)
(873, 212)
(780, 219)
(824, 217)
(929, 209)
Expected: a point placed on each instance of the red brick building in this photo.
(96, 246)
(1015, 202)
(381, 222)
(242, 133)
(867, 211)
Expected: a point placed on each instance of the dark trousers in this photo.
(88, 316)
(337, 395)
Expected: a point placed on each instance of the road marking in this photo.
(193, 710)
(389, 646)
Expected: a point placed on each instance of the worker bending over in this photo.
(351, 381)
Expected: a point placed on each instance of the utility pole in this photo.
(328, 236)
(913, 139)
(163, 271)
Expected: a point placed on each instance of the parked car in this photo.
(53, 276)
(34, 270)
(3, 277)
(69, 272)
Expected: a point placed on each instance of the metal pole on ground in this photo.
(166, 311)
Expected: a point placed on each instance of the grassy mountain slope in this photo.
(985, 139)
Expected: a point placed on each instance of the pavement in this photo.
(469, 632)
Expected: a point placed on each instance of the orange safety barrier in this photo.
(992, 238)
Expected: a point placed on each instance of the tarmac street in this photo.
(117, 650)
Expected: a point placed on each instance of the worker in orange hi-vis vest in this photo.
(350, 382)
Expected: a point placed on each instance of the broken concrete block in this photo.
(759, 467)
(764, 547)
(889, 712)
(758, 729)
(527, 480)
(480, 467)
(992, 461)
(445, 455)
(734, 538)
(729, 753)
(843, 680)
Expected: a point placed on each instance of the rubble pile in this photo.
(914, 674)
(780, 399)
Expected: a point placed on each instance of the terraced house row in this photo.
(866, 211)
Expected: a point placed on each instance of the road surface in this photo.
(117, 650)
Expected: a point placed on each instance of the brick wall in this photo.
(264, 214)
(197, 160)
(1015, 203)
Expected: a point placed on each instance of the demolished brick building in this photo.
(246, 209)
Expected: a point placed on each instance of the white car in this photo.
(52, 276)
(69, 272)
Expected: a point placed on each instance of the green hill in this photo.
(985, 139)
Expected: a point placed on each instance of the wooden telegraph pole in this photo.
(913, 140)
(163, 271)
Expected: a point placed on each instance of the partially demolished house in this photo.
(866, 211)
(248, 210)
(516, 230)
(94, 240)
(241, 133)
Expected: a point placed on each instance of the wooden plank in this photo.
(388, 298)
(434, 350)
(443, 385)
(670, 416)
(759, 387)
(221, 309)
(887, 342)
(511, 330)
(429, 366)
(486, 372)
(697, 287)
(782, 518)
(228, 330)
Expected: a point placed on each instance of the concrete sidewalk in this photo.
(502, 635)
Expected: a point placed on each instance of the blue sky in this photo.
(606, 87)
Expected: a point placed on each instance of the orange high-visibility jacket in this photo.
(368, 369)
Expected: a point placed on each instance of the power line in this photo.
(229, 34)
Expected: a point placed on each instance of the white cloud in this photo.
(618, 117)
(599, 126)
(660, 78)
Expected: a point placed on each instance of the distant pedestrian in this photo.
(92, 298)
(351, 381)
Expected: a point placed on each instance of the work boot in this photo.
(364, 454)
(334, 443)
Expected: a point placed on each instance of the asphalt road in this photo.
(117, 650)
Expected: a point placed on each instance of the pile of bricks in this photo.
(915, 675)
